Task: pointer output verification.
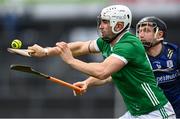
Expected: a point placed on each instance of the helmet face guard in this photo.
(145, 24)
(144, 27)
(106, 38)
(157, 25)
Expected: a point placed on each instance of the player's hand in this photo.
(83, 85)
(38, 51)
(64, 52)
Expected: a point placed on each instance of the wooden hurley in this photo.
(23, 52)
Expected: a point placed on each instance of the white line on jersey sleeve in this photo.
(120, 57)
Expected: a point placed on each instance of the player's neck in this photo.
(155, 50)
(117, 38)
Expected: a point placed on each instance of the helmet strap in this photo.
(109, 40)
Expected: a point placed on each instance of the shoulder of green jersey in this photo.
(95, 45)
(120, 57)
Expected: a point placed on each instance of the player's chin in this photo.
(103, 34)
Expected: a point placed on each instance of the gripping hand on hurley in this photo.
(83, 85)
(39, 51)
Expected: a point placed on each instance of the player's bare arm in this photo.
(98, 70)
(81, 48)
(77, 48)
(91, 81)
(39, 51)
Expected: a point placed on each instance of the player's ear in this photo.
(160, 34)
(119, 26)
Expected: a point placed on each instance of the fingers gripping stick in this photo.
(28, 69)
(23, 52)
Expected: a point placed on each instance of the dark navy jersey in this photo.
(166, 67)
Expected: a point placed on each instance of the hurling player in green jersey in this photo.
(125, 63)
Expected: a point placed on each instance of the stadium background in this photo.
(46, 22)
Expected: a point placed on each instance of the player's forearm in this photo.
(97, 70)
(92, 81)
(79, 48)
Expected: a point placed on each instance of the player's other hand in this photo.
(65, 52)
(38, 51)
(83, 85)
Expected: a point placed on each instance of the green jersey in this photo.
(135, 81)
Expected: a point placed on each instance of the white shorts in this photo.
(165, 113)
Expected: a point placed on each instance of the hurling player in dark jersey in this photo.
(164, 57)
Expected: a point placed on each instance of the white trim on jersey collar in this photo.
(120, 57)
